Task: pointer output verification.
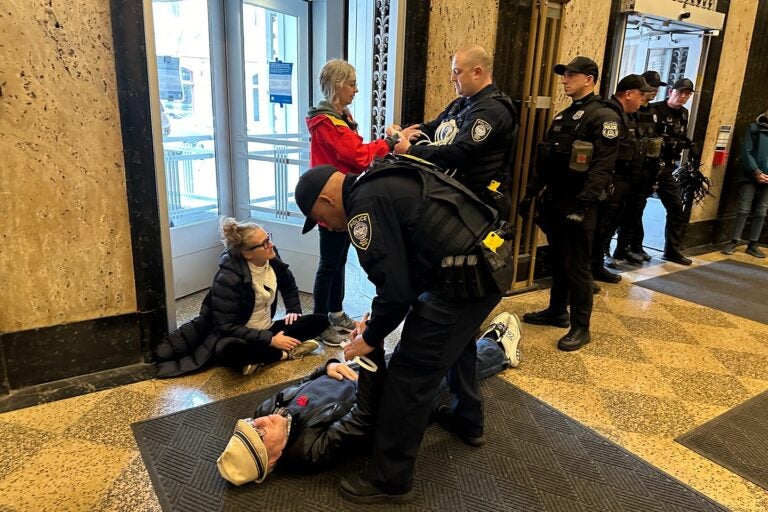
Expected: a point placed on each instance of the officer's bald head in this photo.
(471, 70)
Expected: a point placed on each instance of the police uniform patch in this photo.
(360, 231)
(655, 118)
(578, 115)
(480, 130)
(558, 117)
(610, 129)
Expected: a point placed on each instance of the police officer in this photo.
(673, 128)
(574, 168)
(473, 138)
(630, 94)
(405, 238)
(629, 244)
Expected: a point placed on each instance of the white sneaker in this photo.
(250, 369)
(505, 327)
(331, 337)
(510, 341)
(303, 349)
(342, 323)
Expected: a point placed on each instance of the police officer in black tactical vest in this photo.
(440, 261)
(629, 244)
(630, 94)
(673, 128)
(473, 139)
(574, 167)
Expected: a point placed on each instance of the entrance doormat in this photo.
(730, 286)
(536, 458)
(737, 440)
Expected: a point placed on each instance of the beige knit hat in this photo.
(245, 458)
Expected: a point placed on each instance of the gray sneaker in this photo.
(729, 248)
(505, 329)
(331, 337)
(250, 369)
(754, 250)
(303, 349)
(342, 323)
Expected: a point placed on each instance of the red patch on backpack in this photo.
(302, 401)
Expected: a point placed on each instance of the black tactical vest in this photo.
(566, 128)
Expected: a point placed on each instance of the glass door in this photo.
(269, 91)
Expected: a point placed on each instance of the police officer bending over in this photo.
(673, 128)
(428, 245)
(473, 139)
(574, 168)
(630, 94)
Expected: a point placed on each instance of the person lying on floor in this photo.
(236, 325)
(309, 425)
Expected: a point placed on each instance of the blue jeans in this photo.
(329, 279)
(754, 197)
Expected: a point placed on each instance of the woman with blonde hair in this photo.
(236, 325)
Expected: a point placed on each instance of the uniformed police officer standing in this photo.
(574, 168)
(473, 139)
(629, 244)
(403, 235)
(673, 128)
(630, 94)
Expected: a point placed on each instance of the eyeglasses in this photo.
(263, 244)
(352, 84)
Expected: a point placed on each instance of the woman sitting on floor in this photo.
(235, 326)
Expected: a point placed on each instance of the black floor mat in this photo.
(536, 459)
(730, 286)
(737, 440)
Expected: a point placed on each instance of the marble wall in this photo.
(740, 23)
(66, 243)
(452, 25)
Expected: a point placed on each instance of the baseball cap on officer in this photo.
(653, 78)
(631, 82)
(580, 64)
(683, 84)
(308, 189)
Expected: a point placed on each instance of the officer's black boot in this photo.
(547, 317)
(676, 257)
(605, 275)
(576, 338)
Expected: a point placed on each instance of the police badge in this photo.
(360, 231)
(578, 115)
(610, 129)
(480, 130)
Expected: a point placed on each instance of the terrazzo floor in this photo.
(657, 367)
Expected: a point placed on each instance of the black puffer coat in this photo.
(226, 309)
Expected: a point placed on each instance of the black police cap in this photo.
(653, 79)
(580, 64)
(631, 82)
(683, 84)
(308, 189)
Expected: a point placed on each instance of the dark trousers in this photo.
(438, 335)
(669, 192)
(329, 279)
(570, 246)
(631, 231)
(237, 352)
(609, 215)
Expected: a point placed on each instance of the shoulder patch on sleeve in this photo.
(360, 231)
(610, 129)
(480, 130)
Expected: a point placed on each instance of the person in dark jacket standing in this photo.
(473, 139)
(753, 187)
(574, 169)
(236, 325)
(411, 225)
(332, 412)
(673, 128)
(630, 94)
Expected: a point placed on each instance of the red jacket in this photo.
(334, 142)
